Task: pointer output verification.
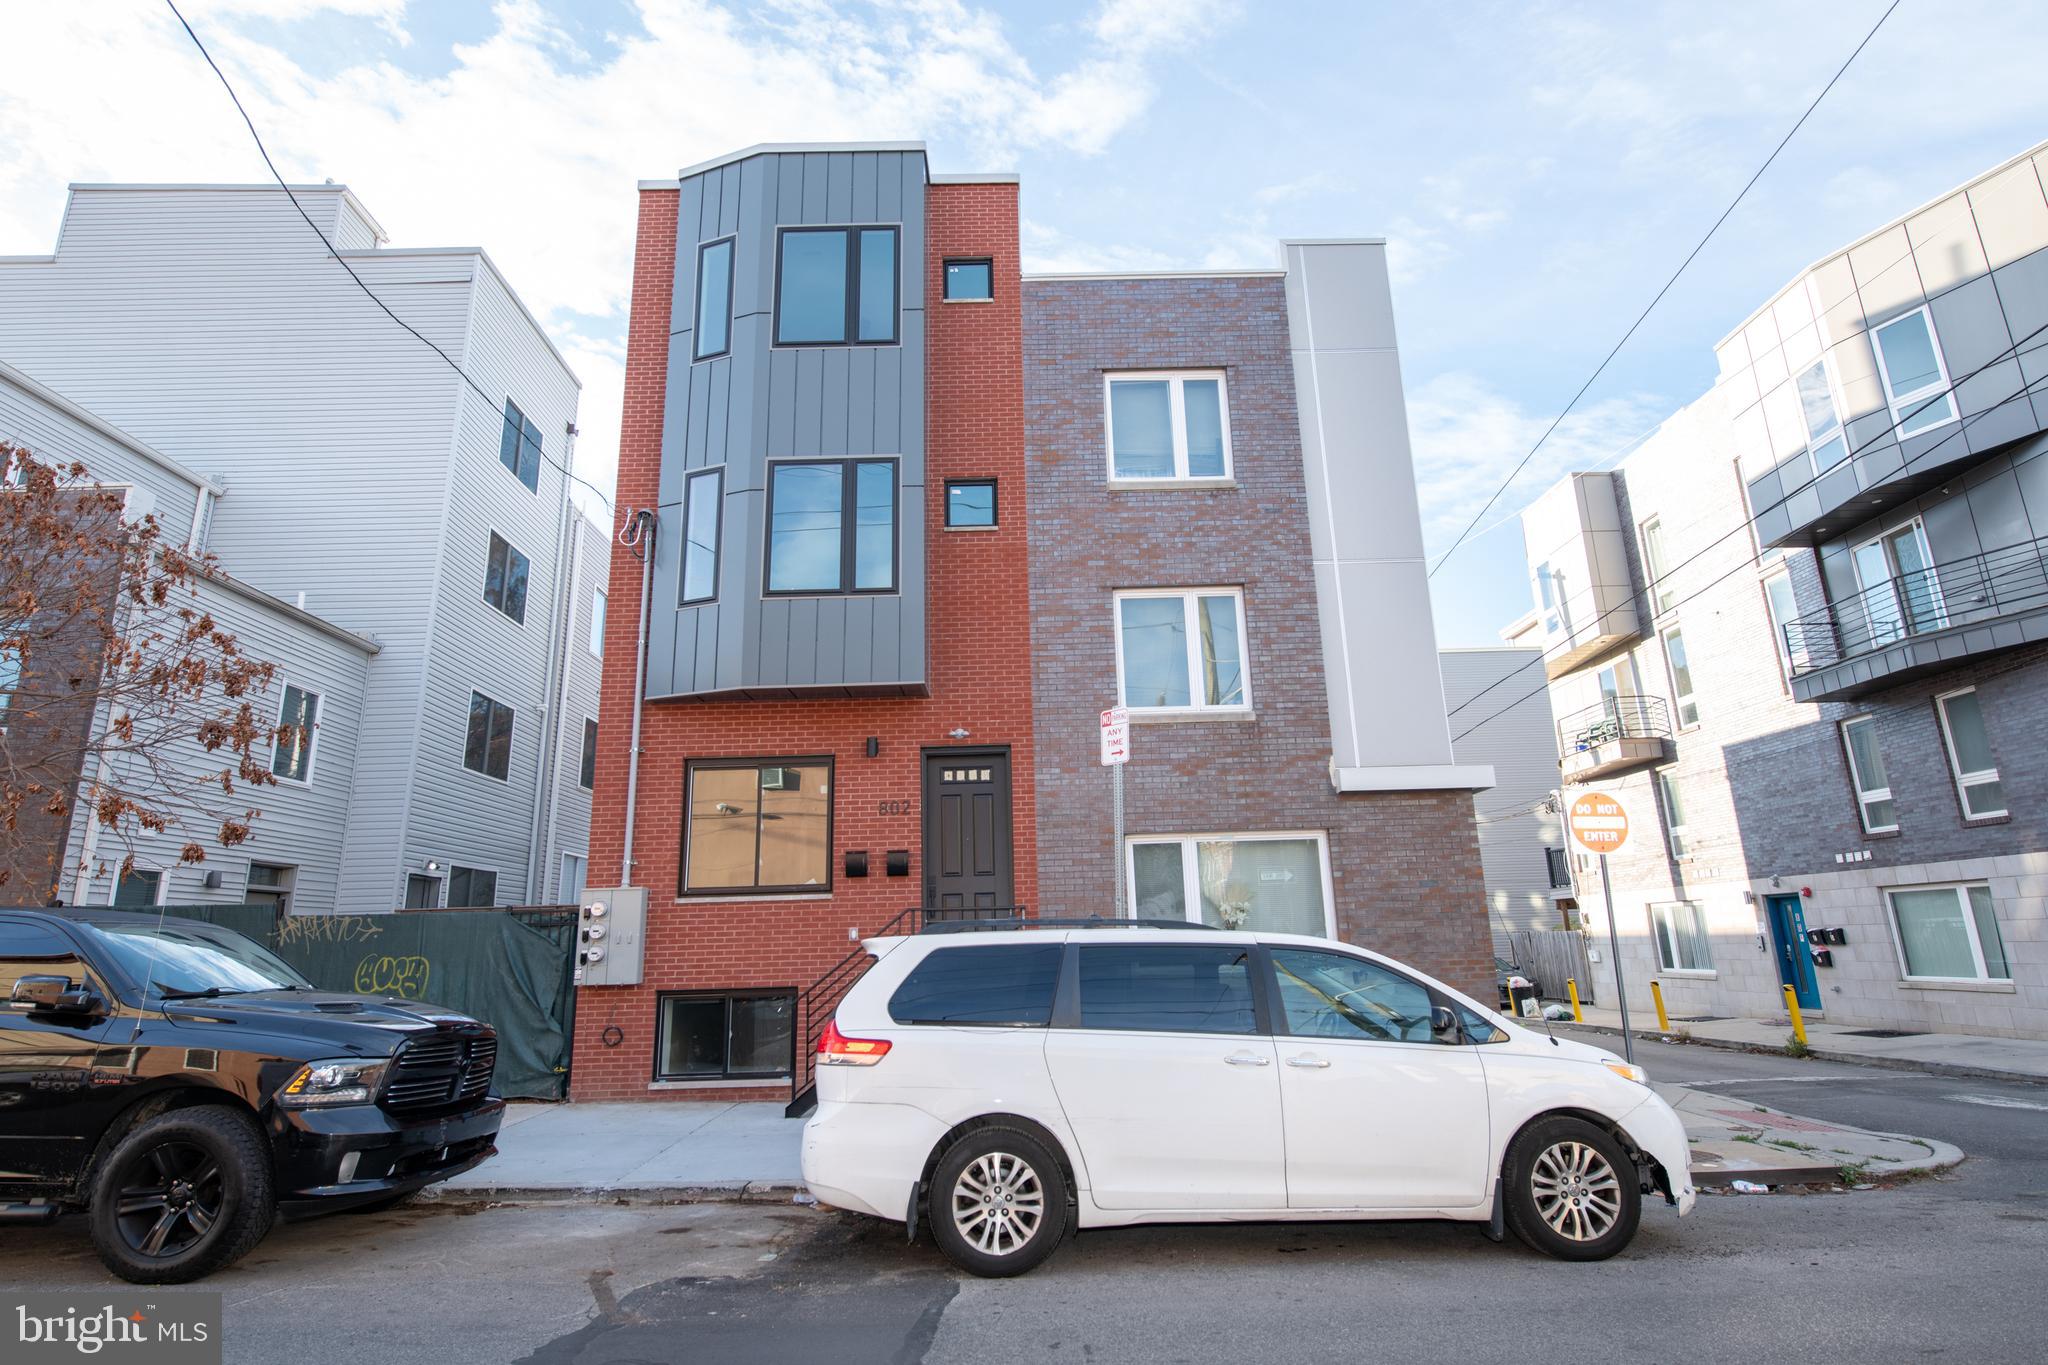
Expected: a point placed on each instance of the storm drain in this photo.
(1697, 1018)
(1887, 1032)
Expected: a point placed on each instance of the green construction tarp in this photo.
(489, 964)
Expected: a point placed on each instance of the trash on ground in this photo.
(1748, 1187)
(1556, 1012)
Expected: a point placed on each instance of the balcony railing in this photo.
(1957, 592)
(1611, 718)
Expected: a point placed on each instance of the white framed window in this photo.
(1825, 444)
(598, 602)
(1674, 811)
(1273, 883)
(1782, 607)
(291, 754)
(137, 886)
(1679, 666)
(1654, 565)
(1549, 598)
(1167, 426)
(1874, 806)
(1680, 928)
(1914, 373)
(575, 867)
(1182, 650)
(1969, 754)
(1948, 933)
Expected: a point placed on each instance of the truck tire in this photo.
(184, 1194)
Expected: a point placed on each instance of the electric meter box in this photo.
(611, 930)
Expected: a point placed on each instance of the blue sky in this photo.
(1537, 169)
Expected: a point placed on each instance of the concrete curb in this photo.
(1825, 1054)
(708, 1192)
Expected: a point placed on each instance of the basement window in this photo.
(725, 1037)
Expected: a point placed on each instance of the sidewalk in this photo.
(749, 1152)
(1957, 1054)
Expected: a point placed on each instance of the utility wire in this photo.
(1601, 368)
(338, 259)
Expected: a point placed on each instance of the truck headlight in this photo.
(343, 1080)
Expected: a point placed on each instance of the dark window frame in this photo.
(945, 279)
(726, 1073)
(691, 479)
(904, 1020)
(1558, 863)
(691, 767)
(516, 420)
(494, 706)
(697, 351)
(466, 876)
(586, 773)
(504, 570)
(849, 525)
(852, 231)
(995, 506)
(413, 879)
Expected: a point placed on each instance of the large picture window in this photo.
(1949, 933)
(1969, 754)
(703, 495)
(1874, 806)
(1182, 650)
(831, 526)
(1168, 426)
(1272, 883)
(758, 826)
(1680, 928)
(836, 286)
(714, 299)
(488, 747)
(725, 1037)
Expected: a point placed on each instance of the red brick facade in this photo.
(979, 638)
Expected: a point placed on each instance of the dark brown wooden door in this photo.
(966, 829)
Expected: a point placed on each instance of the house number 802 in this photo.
(898, 807)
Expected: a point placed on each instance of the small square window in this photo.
(471, 888)
(970, 280)
(970, 503)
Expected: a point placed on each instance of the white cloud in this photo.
(1467, 436)
(509, 150)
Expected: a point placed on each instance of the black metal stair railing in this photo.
(820, 1000)
(1919, 601)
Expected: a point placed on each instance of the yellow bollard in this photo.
(1572, 989)
(1663, 1020)
(1798, 1022)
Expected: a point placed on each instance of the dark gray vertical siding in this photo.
(760, 403)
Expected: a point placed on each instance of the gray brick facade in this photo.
(1404, 866)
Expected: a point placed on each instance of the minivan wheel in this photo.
(1571, 1190)
(186, 1193)
(998, 1202)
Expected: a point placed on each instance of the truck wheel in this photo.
(186, 1193)
(1571, 1191)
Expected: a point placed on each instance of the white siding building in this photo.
(348, 470)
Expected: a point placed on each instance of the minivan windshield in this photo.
(185, 959)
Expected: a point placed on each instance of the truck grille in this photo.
(441, 1071)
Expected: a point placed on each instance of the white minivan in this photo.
(1013, 1084)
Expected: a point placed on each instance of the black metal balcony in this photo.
(1920, 621)
(1612, 735)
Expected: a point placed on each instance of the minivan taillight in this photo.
(836, 1049)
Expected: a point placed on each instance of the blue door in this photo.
(1788, 937)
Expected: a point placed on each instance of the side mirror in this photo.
(1442, 1020)
(55, 995)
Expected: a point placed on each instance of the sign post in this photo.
(1116, 752)
(1599, 823)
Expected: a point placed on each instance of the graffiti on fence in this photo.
(405, 977)
(297, 929)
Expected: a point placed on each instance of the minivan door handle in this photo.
(1309, 1062)
(1247, 1059)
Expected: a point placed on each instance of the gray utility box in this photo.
(611, 932)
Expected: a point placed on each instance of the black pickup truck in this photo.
(183, 1086)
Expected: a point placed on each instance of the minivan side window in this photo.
(1335, 995)
(1006, 986)
(1167, 988)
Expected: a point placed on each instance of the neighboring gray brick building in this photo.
(1829, 725)
(1224, 536)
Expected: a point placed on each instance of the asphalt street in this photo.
(1944, 1268)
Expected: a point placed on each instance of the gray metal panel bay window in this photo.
(754, 616)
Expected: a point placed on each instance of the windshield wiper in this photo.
(208, 994)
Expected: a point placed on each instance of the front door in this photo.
(966, 829)
(1788, 938)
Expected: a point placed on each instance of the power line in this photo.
(1750, 562)
(264, 152)
(1601, 368)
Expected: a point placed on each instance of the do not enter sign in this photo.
(1599, 823)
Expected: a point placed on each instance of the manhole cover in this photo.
(1697, 1018)
(1887, 1033)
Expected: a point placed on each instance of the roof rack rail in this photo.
(976, 926)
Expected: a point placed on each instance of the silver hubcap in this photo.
(998, 1203)
(1577, 1192)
